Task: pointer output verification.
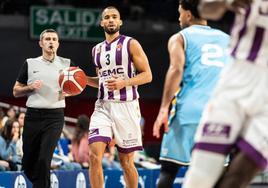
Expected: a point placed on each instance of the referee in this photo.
(44, 119)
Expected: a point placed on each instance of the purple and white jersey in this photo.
(114, 59)
(250, 34)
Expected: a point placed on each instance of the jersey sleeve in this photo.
(23, 74)
(93, 56)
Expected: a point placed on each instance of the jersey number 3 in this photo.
(212, 55)
(107, 59)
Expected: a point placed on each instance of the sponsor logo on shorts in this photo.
(129, 143)
(93, 132)
(216, 130)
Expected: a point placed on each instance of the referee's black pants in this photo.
(42, 129)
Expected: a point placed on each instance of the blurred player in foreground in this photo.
(237, 115)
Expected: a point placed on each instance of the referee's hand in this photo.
(37, 84)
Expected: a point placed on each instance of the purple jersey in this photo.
(250, 35)
(114, 59)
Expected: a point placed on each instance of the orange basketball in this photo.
(73, 80)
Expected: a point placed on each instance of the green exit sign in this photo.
(70, 23)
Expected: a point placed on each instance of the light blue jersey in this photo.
(205, 56)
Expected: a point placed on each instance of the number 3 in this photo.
(108, 59)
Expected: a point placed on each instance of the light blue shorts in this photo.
(178, 142)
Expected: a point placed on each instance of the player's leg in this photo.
(215, 140)
(239, 173)
(251, 158)
(168, 174)
(176, 148)
(205, 169)
(31, 143)
(96, 151)
(53, 121)
(218, 130)
(130, 172)
(100, 135)
(128, 137)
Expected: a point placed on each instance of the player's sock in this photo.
(205, 169)
(168, 174)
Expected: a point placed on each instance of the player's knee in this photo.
(94, 160)
(240, 172)
(127, 164)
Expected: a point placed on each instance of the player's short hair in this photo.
(110, 7)
(47, 31)
(190, 5)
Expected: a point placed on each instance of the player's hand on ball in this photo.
(115, 83)
(64, 94)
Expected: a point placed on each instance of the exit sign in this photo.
(70, 23)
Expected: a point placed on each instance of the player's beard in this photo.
(111, 31)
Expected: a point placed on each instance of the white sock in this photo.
(205, 169)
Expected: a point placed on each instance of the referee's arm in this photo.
(20, 90)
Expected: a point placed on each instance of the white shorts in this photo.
(118, 120)
(237, 114)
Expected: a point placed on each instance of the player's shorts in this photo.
(237, 115)
(178, 142)
(118, 120)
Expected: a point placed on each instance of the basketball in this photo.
(72, 80)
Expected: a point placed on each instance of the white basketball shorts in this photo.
(118, 120)
(237, 114)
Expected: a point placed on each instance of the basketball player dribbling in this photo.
(116, 115)
(237, 115)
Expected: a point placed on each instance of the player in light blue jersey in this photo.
(197, 55)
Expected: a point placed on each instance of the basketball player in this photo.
(237, 115)
(44, 119)
(197, 55)
(116, 115)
